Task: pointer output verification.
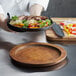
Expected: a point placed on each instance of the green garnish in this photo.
(26, 23)
(23, 21)
(24, 26)
(14, 18)
(39, 21)
(49, 22)
(42, 24)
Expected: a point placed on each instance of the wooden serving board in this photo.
(53, 37)
(37, 54)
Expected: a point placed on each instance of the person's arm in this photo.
(35, 10)
(3, 20)
(37, 6)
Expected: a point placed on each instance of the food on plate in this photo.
(30, 21)
(69, 27)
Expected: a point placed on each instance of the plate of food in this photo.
(29, 23)
(37, 54)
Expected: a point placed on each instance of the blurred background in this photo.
(61, 8)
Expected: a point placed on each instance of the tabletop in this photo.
(9, 40)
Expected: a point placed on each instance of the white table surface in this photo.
(9, 40)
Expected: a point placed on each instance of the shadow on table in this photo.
(6, 45)
(41, 69)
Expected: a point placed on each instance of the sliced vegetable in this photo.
(42, 24)
(39, 21)
(24, 27)
(70, 28)
(49, 22)
(23, 21)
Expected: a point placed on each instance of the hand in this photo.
(3, 23)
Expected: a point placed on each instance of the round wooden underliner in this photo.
(44, 54)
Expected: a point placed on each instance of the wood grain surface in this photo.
(40, 54)
(53, 37)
